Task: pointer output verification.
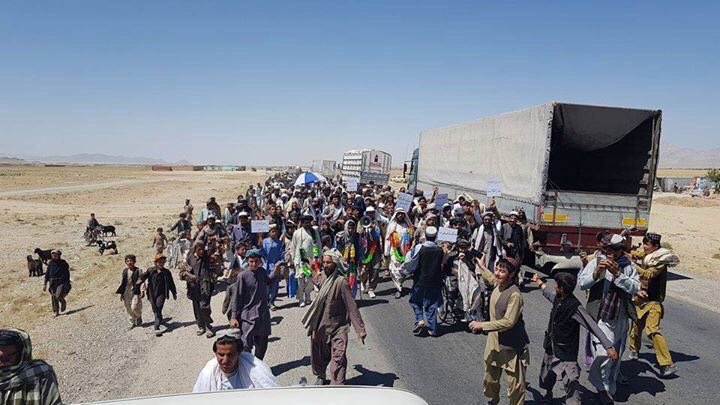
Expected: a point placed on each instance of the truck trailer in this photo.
(325, 167)
(576, 169)
(367, 165)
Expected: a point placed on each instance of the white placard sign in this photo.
(260, 226)
(447, 234)
(494, 187)
(440, 200)
(403, 201)
(352, 183)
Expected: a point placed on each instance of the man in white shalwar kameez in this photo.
(232, 369)
(398, 242)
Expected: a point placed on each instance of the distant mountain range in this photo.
(671, 156)
(90, 158)
(676, 157)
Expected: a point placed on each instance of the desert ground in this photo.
(47, 207)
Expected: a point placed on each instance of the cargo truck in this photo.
(367, 165)
(575, 169)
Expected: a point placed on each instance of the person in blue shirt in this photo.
(272, 252)
(242, 232)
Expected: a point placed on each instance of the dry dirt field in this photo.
(681, 172)
(47, 207)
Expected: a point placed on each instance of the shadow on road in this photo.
(273, 339)
(74, 311)
(290, 365)
(456, 327)
(676, 357)
(535, 396)
(638, 384)
(370, 302)
(369, 377)
(674, 276)
(275, 320)
(288, 305)
(386, 292)
(171, 326)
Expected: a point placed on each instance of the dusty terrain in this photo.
(681, 172)
(48, 207)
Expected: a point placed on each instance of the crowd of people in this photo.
(329, 246)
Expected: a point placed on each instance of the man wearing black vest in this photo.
(562, 337)
(426, 296)
(507, 343)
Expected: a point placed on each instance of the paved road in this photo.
(448, 369)
(445, 370)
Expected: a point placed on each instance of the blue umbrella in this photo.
(309, 178)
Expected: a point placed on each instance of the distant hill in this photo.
(99, 158)
(7, 160)
(672, 156)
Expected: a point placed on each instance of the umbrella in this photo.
(309, 178)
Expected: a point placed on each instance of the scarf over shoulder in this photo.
(23, 381)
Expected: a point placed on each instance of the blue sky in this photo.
(286, 82)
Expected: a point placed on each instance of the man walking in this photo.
(58, 276)
(273, 252)
(653, 263)
(398, 242)
(328, 319)
(242, 231)
(198, 275)
(561, 341)
(159, 286)
(188, 210)
(250, 311)
(370, 253)
(486, 240)
(513, 240)
(506, 348)
(132, 290)
(619, 281)
(426, 296)
(306, 243)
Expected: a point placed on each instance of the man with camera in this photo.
(614, 273)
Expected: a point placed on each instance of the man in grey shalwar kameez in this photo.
(250, 311)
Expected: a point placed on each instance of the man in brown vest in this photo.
(507, 342)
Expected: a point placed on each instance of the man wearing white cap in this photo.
(620, 282)
(426, 296)
(242, 231)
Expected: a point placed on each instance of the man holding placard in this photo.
(242, 232)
